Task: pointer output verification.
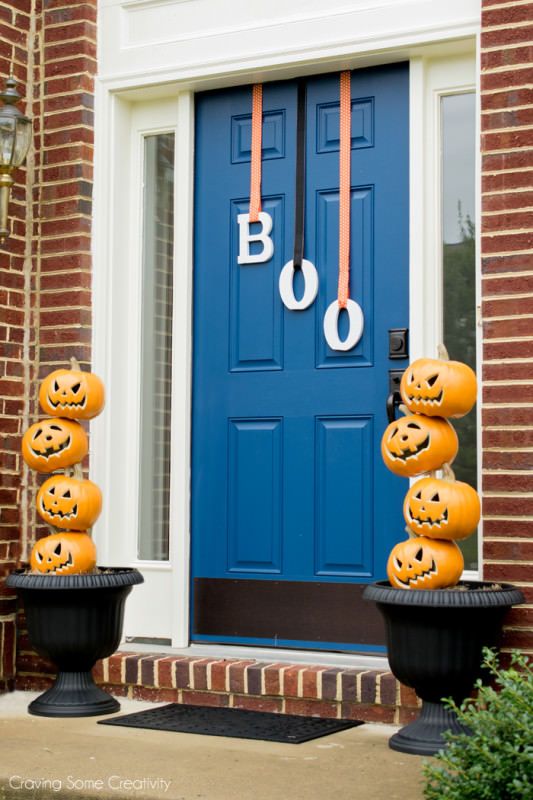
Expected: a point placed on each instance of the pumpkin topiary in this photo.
(64, 554)
(72, 393)
(436, 387)
(74, 610)
(422, 563)
(415, 444)
(52, 444)
(436, 510)
(69, 503)
(442, 509)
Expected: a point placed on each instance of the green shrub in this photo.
(496, 761)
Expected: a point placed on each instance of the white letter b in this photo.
(245, 237)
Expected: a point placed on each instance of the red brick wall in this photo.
(63, 277)
(15, 46)
(507, 301)
(45, 306)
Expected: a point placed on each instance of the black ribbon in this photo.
(299, 210)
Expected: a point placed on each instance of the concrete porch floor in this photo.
(80, 759)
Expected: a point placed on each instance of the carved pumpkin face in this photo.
(69, 503)
(64, 554)
(439, 388)
(52, 444)
(415, 444)
(442, 509)
(72, 393)
(423, 563)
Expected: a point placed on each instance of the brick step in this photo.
(279, 687)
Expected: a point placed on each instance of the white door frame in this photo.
(114, 442)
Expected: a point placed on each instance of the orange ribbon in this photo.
(255, 166)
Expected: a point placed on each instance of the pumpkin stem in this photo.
(447, 473)
(411, 534)
(403, 409)
(77, 471)
(52, 530)
(74, 363)
(442, 352)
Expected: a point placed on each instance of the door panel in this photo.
(256, 330)
(343, 487)
(287, 479)
(361, 262)
(255, 468)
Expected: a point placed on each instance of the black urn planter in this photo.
(435, 640)
(74, 620)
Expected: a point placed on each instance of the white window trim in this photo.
(114, 457)
(431, 80)
(117, 298)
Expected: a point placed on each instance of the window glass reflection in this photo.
(156, 369)
(458, 129)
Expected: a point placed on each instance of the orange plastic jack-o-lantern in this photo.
(422, 563)
(64, 554)
(415, 444)
(439, 388)
(72, 393)
(52, 444)
(442, 509)
(69, 503)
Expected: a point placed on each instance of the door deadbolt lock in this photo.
(398, 342)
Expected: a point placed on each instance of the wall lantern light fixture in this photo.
(15, 138)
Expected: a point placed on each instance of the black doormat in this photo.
(235, 722)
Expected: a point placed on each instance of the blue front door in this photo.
(293, 510)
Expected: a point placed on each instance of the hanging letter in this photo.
(245, 237)
(286, 287)
(331, 325)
